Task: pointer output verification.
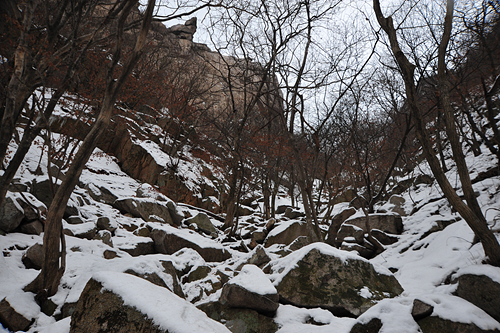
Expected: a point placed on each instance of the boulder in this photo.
(481, 291)
(259, 257)
(140, 248)
(363, 251)
(388, 222)
(320, 275)
(11, 214)
(397, 203)
(336, 222)
(197, 273)
(43, 191)
(356, 234)
(104, 223)
(168, 268)
(203, 223)
(146, 208)
(244, 210)
(293, 214)
(105, 237)
(34, 256)
(75, 219)
(421, 309)
(250, 289)
(373, 326)
(433, 324)
(114, 302)
(239, 320)
(169, 240)
(282, 208)
(11, 319)
(101, 194)
(299, 243)
(32, 228)
(383, 238)
(286, 232)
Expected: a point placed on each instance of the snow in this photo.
(490, 271)
(254, 280)
(166, 309)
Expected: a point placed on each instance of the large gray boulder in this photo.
(169, 240)
(115, 302)
(481, 291)
(146, 208)
(320, 275)
(336, 222)
(11, 214)
(387, 222)
(10, 318)
(239, 320)
(203, 222)
(250, 289)
(287, 231)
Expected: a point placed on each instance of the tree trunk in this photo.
(476, 223)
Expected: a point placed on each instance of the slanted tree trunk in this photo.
(47, 282)
(471, 211)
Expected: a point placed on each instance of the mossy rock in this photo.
(345, 285)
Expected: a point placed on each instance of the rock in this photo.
(113, 302)
(105, 237)
(170, 240)
(203, 223)
(270, 224)
(299, 243)
(11, 214)
(146, 208)
(360, 249)
(260, 257)
(259, 236)
(293, 214)
(43, 192)
(11, 319)
(481, 291)
(108, 254)
(103, 223)
(286, 232)
(34, 256)
(245, 211)
(239, 320)
(32, 228)
(357, 203)
(373, 326)
(250, 289)
(421, 310)
(32, 210)
(337, 221)
(390, 223)
(323, 276)
(282, 208)
(198, 273)
(184, 31)
(383, 238)
(397, 203)
(75, 219)
(151, 277)
(433, 324)
(142, 232)
(348, 230)
(140, 248)
(101, 194)
(168, 268)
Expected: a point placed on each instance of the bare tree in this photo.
(470, 211)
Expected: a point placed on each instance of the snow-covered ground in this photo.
(423, 265)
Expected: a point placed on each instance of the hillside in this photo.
(313, 170)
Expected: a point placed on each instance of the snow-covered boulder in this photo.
(11, 214)
(480, 285)
(203, 223)
(11, 319)
(250, 289)
(286, 232)
(168, 240)
(387, 222)
(146, 208)
(336, 222)
(320, 275)
(117, 302)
